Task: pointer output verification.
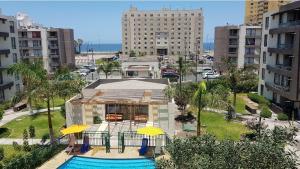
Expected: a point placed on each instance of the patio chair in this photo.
(158, 144)
(144, 147)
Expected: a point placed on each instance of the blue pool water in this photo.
(98, 163)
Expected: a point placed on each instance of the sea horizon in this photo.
(113, 47)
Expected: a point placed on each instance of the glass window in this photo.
(265, 40)
(267, 23)
(262, 73)
(15, 58)
(13, 42)
(264, 57)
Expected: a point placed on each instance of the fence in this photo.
(131, 138)
(98, 139)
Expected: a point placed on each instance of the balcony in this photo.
(281, 69)
(289, 23)
(53, 46)
(54, 64)
(4, 34)
(6, 85)
(54, 55)
(283, 49)
(4, 51)
(277, 88)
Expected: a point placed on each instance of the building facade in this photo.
(239, 44)
(254, 9)
(279, 75)
(162, 32)
(54, 46)
(10, 84)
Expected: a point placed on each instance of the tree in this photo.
(169, 92)
(207, 152)
(180, 67)
(31, 73)
(80, 42)
(75, 46)
(107, 67)
(31, 131)
(26, 146)
(198, 100)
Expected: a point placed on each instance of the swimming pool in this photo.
(77, 162)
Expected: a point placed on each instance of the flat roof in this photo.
(128, 84)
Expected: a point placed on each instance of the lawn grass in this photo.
(240, 103)
(41, 104)
(216, 125)
(39, 121)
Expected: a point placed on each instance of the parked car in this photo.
(210, 75)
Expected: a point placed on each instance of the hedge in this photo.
(282, 116)
(258, 99)
(34, 158)
(265, 112)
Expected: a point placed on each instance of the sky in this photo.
(100, 21)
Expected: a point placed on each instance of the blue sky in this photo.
(100, 21)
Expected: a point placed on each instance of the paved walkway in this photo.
(10, 115)
(9, 141)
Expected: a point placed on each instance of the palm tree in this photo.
(80, 42)
(31, 76)
(107, 67)
(47, 91)
(180, 66)
(198, 100)
(75, 46)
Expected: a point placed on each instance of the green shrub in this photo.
(97, 120)
(4, 132)
(5, 105)
(258, 99)
(1, 153)
(16, 146)
(35, 158)
(1, 113)
(265, 112)
(282, 116)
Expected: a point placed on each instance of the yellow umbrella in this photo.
(75, 128)
(150, 131)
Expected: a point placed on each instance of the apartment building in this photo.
(254, 9)
(238, 44)
(10, 84)
(162, 32)
(279, 75)
(54, 46)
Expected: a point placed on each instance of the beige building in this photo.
(279, 65)
(255, 9)
(162, 32)
(239, 44)
(10, 84)
(123, 105)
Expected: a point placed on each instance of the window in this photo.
(249, 51)
(265, 40)
(232, 50)
(250, 41)
(2, 95)
(262, 89)
(13, 42)
(267, 23)
(264, 57)
(15, 58)
(262, 73)
(12, 26)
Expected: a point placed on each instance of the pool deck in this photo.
(95, 152)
